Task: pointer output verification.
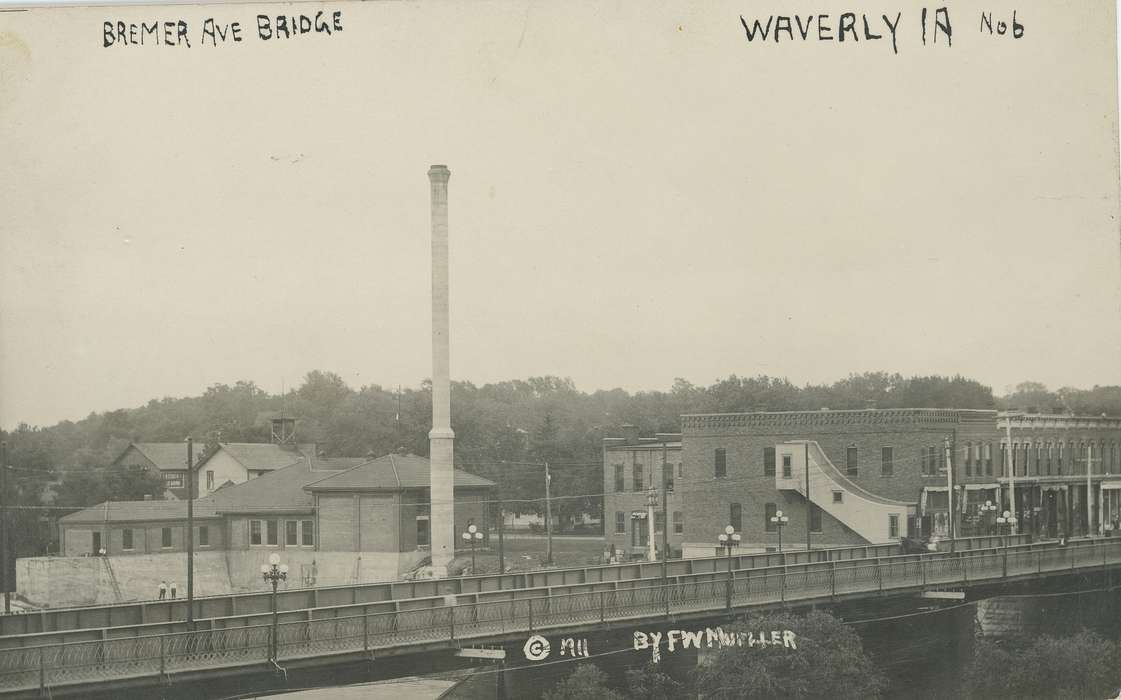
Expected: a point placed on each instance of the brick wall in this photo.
(147, 537)
(708, 500)
(337, 517)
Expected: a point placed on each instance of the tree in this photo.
(1080, 666)
(87, 487)
(587, 681)
(649, 683)
(829, 662)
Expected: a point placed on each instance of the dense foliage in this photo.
(587, 681)
(828, 664)
(504, 431)
(1084, 665)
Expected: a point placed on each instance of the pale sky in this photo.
(637, 194)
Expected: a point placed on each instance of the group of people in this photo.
(165, 588)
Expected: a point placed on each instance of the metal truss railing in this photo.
(160, 656)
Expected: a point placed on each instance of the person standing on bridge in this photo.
(163, 589)
(173, 587)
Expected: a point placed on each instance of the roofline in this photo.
(838, 410)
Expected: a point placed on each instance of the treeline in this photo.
(503, 430)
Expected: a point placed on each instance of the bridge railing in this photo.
(159, 656)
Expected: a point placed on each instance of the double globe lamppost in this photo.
(779, 521)
(1006, 522)
(274, 572)
(728, 540)
(472, 537)
(986, 508)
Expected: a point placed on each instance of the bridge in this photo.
(448, 622)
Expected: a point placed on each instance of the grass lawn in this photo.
(528, 553)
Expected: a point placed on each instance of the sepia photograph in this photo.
(510, 349)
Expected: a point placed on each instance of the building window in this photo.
(637, 474)
(678, 523)
(988, 459)
(720, 463)
(1059, 463)
(126, 539)
(735, 517)
(815, 518)
(291, 533)
(838, 496)
(165, 537)
(209, 479)
(307, 533)
(925, 462)
(659, 521)
(850, 461)
(786, 466)
(667, 474)
(680, 470)
(204, 536)
(768, 461)
(620, 523)
(969, 459)
(619, 485)
(271, 533)
(1038, 458)
(887, 461)
(255, 532)
(422, 530)
(1003, 458)
(769, 510)
(893, 526)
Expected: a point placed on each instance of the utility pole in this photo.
(665, 515)
(1089, 488)
(809, 504)
(949, 491)
(501, 522)
(651, 540)
(4, 582)
(1011, 473)
(190, 533)
(548, 518)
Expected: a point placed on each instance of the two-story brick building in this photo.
(633, 466)
(878, 475)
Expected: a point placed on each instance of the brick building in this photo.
(878, 475)
(1051, 458)
(318, 504)
(633, 466)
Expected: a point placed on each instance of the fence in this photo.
(160, 656)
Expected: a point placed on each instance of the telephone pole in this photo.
(501, 521)
(665, 515)
(950, 492)
(809, 504)
(548, 519)
(1011, 473)
(4, 579)
(190, 533)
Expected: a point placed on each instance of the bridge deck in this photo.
(53, 667)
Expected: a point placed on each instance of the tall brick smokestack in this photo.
(441, 438)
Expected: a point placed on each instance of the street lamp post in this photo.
(1009, 520)
(986, 508)
(779, 521)
(472, 537)
(729, 539)
(274, 572)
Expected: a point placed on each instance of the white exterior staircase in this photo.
(865, 513)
